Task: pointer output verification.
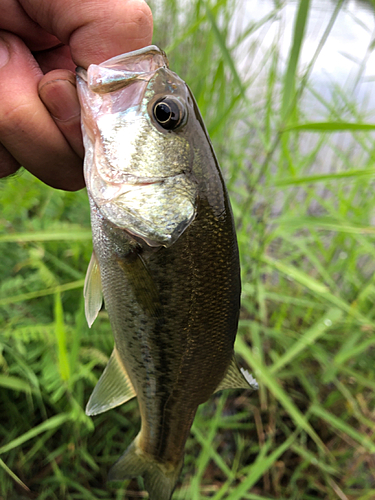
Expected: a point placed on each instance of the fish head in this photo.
(138, 156)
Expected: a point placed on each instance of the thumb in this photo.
(28, 134)
(95, 30)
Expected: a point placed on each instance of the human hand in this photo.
(41, 43)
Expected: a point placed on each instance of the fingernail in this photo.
(4, 52)
(60, 98)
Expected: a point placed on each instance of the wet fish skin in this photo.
(172, 293)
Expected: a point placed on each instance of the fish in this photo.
(165, 258)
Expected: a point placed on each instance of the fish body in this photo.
(165, 256)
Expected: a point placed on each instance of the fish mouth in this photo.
(120, 82)
(114, 191)
(121, 71)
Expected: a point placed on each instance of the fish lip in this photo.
(121, 71)
(122, 187)
(144, 181)
(120, 59)
(81, 73)
(150, 49)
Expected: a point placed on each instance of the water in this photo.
(347, 58)
(343, 74)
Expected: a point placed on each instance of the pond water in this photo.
(343, 74)
(347, 58)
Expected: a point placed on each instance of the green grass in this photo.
(303, 196)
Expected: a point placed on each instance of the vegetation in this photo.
(303, 198)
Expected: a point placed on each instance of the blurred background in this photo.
(286, 92)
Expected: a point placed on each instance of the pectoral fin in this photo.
(92, 291)
(141, 283)
(237, 378)
(113, 388)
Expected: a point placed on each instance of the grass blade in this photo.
(64, 366)
(309, 337)
(74, 234)
(15, 383)
(42, 293)
(354, 174)
(264, 376)
(52, 423)
(259, 467)
(291, 72)
(225, 51)
(341, 426)
(13, 475)
(330, 127)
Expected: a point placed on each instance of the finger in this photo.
(8, 164)
(57, 90)
(16, 20)
(27, 130)
(95, 30)
(55, 58)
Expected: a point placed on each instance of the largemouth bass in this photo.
(165, 257)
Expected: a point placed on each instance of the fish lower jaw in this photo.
(109, 191)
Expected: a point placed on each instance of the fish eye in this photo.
(168, 113)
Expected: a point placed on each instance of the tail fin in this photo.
(160, 479)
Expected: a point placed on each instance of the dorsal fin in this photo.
(113, 388)
(92, 290)
(237, 378)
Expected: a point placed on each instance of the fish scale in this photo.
(165, 257)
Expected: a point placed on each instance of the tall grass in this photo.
(303, 195)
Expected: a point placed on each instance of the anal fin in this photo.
(113, 388)
(237, 378)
